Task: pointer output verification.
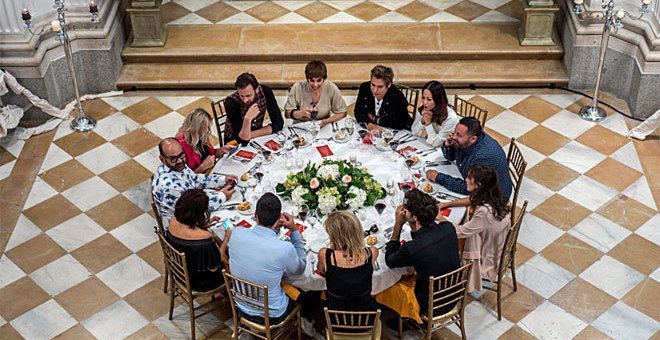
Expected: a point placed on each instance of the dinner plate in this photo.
(382, 145)
(380, 243)
(247, 212)
(346, 139)
(434, 187)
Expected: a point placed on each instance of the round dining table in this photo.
(384, 164)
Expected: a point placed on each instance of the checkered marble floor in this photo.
(83, 261)
(185, 12)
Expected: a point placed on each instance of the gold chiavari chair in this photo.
(220, 119)
(343, 325)
(466, 109)
(412, 96)
(517, 166)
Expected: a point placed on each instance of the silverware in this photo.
(293, 132)
(445, 196)
(258, 146)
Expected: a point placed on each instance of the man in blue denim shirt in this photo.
(468, 144)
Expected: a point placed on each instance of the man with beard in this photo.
(174, 177)
(467, 145)
(246, 109)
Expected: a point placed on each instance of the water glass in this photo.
(300, 163)
(288, 163)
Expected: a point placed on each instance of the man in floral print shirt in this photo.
(173, 177)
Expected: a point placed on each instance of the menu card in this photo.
(273, 145)
(324, 150)
(245, 154)
(243, 223)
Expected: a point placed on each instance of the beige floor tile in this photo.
(153, 255)
(561, 212)
(150, 300)
(86, 298)
(51, 212)
(66, 175)
(35, 253)
(150, 332)
(96, 108)
(204, 103)
(19, 297)
(114, 212)
(467, 10)
(551, 174)
(75, 144)
(590, 333)
(515, 305)
(316, 11)
(644, 297)
(650, 147)
(485, 104)
(367, 11)
(584, 101)
(516, 333)
(501, 139)
(535, 109)
(267, 11)
(77, 332)
(5, 157)
(101, 253)
(172, 11)
(603, 173)
(7, 332)
(146, 110)
(626, 212)
(637, 252)
(136, 142)
(417, 10)
(602, 139)
(126, 175)
(571, 253)
(543, 140)
(217, 12)
(583, 300)
(513, 9)
(522, 255)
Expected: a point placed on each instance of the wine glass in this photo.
(380, 207)
(350, 126)
(303, 209)
(314, 128)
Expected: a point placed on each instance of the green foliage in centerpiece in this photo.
(330, 185)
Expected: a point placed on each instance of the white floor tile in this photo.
(548, 321)
(616, 123)
(10, 271)
(243, 5)
(292, 5)
(54, 157)
(640, 192)
(534, 193)
(511, 124)
(504, 100)
(195, 5)
(588, 192)
(393, 17)
(624, 322)
(241, 18)
(561, 100)
(40, 192)
(482, 323)
(291, 18)
(656, 274)
(116, 321)
(128, 275)
(651, 230)
(495, 16)
(2, 321)
(179, 326)
(568, 124)
(102, 158)
(341, 17)
(122, 102)
(149, 159)
(166, 126)
(76, 232)
(60, 275)
(394, 4)
(24, 231)
(531, 156)
(441, 4)
(140, 195)
(6, 169)
(90, 193)
(342, 4)
(12, 144)
(137, 233)
(537, 234)
(628, 156)
(578, 157)
(444, 17)
(190, 19)
(612, 276)
(115, 125)
(599, 232)
(64, 129)
(177, 102)
(543, 276)
(46, 321)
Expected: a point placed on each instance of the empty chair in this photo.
(352, 325)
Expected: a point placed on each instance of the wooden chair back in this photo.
(176, 263)
(220, 119)
(352, 325)
(509, 249)
(412, 96)
(517, 166)
(466, 109)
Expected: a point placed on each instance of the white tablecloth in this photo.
(383, 165)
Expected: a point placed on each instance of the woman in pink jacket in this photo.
(486, 231)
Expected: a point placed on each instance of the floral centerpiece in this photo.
(330, 185)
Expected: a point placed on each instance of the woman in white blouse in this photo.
(435, 119)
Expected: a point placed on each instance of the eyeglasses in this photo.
(174, 159)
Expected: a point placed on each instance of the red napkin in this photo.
(245, 154)
(402, 242)
(367, 138)
(445, 212)
(324, 150)
(318, 272)
(417, 175)
(273, 145)
(412, 185)
(300, 228)
(402, 150)
(244, 223)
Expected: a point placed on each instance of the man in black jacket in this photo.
(379, 103)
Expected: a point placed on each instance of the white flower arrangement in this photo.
(327, 203)
(328, 171)
(297, 195)
(356, 202)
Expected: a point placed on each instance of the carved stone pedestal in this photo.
(146, 23)
(538, 23)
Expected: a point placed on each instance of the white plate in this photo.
(379, 244)
(348, 137)
(247, 212)
(382, 147)
(434, 187)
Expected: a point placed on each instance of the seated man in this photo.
(259, 256)
(433, 250)
(246, 109)
(467, 145)
(379, 103)
(173, 177)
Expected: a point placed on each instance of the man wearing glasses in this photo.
(173, 177)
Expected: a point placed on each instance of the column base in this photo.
(147, 29)
(537, 28)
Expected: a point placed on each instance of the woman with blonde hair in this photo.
(347, 264)
(194, 136)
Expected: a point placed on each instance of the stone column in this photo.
(146, 23)
(538, 22)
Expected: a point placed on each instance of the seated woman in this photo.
(347, 264)
(435, 119)
(486, 231)
(188, 232)
(315, 98)
(194, 138)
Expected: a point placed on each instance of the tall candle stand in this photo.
(611, 21)
(82, 122)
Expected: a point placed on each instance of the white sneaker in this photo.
(307, 327)
(633, 134)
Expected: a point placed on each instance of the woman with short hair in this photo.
(194, 137)
(435, 118)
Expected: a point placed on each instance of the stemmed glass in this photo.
(350, 126)
(302, 212)
(380, 207)
(314, 128)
